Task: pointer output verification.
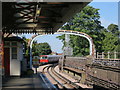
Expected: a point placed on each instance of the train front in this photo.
(43, 59)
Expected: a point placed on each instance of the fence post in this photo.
(102, 54)
(108, 55)
(115, 55)
(97, 54)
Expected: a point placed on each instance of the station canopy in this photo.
(37, 17)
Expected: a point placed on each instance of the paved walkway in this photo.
(33, 82)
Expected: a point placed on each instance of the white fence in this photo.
(108, 55)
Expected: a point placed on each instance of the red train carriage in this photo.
(49, 58)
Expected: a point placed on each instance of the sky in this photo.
(108, 15)
(108, 12)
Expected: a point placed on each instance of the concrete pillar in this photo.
(68, 50)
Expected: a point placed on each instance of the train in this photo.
(45, 59)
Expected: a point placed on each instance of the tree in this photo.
(41, 49)
(110, 42)
(37, 48)
(86, 21)
(111, 39)
(113, 28)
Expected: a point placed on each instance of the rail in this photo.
(48, 67)
(54, 78)
(107, 62)
(65, 80)
(105, 67)
(105, 83)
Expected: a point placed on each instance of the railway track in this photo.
(61, 80)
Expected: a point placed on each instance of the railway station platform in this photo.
(31, 82)
(35, 81)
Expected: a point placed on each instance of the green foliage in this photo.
(80, 45)
(114, 29)
(87, 21)
(110, 42)
(37, 48)
(41, 49)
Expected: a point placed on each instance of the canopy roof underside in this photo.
(37, 17)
